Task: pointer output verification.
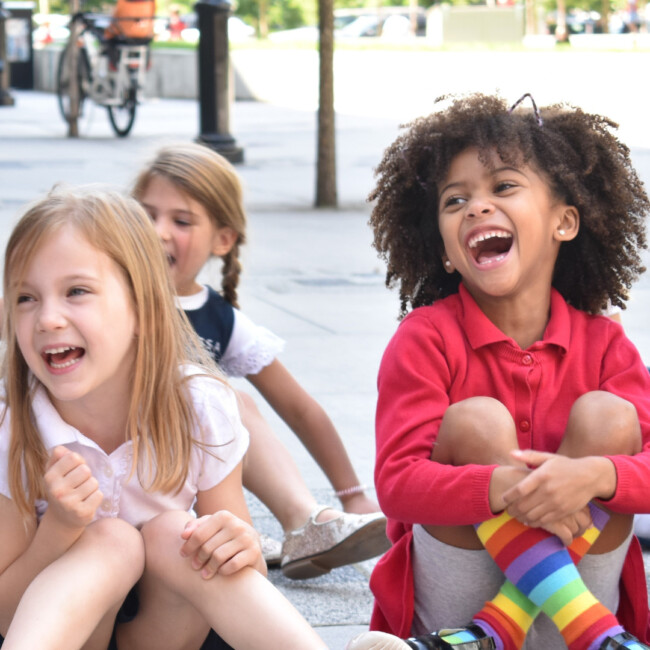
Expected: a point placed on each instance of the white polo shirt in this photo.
(218, 423)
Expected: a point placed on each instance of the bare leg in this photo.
(322, 441)
(270, 472)
(358, 503)
(72, 603)
(601, 424)
(309, 421)
(177, 606)
(272, 475)
(477, 430)
(327, 536)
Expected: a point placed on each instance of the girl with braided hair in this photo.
(513, 420)
(194, 198)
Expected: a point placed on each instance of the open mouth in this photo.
(490, 246)
(63, 357)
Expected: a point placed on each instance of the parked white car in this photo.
(238, 30)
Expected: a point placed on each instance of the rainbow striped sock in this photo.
(542, 569)
(511, 613)
(508, 616)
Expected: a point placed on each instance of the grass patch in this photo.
(173, 45)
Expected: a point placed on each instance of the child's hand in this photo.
(557, 488)
(72, 492)
(571, 527)
(221, 543)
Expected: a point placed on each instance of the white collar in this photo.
(195, 301)
(52, 428)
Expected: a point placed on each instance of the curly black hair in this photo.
(584, 162)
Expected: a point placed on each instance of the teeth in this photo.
(63, 365)
(474, 241)
(61, 350)
(493, 260)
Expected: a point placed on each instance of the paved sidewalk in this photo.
(310, 275)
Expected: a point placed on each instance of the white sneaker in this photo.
(376, 641)
(318, 547)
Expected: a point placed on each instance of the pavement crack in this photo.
(294, 314)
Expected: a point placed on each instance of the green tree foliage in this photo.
(586, 5)
(63, 6)
(281, 14)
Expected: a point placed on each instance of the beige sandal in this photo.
(318, 547)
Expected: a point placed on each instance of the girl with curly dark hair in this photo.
(513, 421)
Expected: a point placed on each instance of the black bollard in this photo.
(5, 98)
(214, 96)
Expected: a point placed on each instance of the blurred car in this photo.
(396, 27)
(578, 21)
(50, 28)
(238, 30)
(392, 22)
(368, 25)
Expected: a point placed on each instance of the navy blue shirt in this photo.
(213, 322)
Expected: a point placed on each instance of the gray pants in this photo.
(452, 584)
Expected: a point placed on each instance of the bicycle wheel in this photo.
(123, 115)
(63, 80)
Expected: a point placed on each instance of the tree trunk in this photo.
(263, 19)
(413, 16)
(604, 16)
(561, 31)
(326, 155)
(531, 17)
(73, 72)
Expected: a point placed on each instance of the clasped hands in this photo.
(548, 491)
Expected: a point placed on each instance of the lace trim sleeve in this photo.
(259, 353)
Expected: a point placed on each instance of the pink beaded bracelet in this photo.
(355, 489)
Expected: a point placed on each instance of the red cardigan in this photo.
(451, 351)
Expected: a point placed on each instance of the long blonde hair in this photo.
(160, 418)
(209, 179)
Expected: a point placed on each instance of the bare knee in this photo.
(119, 544)
(117, 534)
(162, 540)
(601, 423)
(475, 430)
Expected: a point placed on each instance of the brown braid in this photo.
(231, 270)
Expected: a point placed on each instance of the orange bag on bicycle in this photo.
(132, 19)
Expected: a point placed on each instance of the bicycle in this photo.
(110, 71)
